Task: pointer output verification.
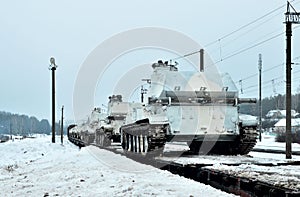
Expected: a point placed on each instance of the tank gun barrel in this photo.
(247, 100)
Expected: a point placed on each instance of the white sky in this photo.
(33, 31)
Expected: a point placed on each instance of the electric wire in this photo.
(233, 32)
(269, 83)
(237, 52)
(244, 26)
(267, 70)
(230, 42)
(242, 50)
(248, 48)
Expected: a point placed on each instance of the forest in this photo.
(270, 103)
(24, 125)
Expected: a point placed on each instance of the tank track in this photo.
(248, 139)
(144, 138)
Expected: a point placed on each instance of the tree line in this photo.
(16, 124)
(270, 103)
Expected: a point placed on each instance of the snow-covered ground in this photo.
(37, 167)
(285, 176)
(255, 164)
(268, 142)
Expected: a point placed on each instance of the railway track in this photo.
(266, 150)
(218, 178)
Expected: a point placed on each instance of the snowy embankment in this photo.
(37, 167)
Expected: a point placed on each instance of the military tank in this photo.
(86, 131)
(110, 129)
(185, 106)
(101, 128)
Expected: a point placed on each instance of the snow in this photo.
(248, 120)
(286, 176)
(37, 167)
(280, 113)
(268, 142)
(295, 122)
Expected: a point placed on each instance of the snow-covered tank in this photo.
(101, 128)
(116, 114)
(86, 130)
(188, 107)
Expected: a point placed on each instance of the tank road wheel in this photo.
(135, 143)
(145, 145)
(143, 138)
(107, 141)
(130, 143)
(248, 140)
(97, 136)
(125, 141)
(102, 139)
(139, 143)
(195, 147)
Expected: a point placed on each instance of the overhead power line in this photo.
(264, 71)
(268, 83)
(244, 26)
(244, 49)
(233, 32)
(248, 48)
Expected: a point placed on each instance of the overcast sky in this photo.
(33, 31)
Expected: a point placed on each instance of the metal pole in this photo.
(142, 94)
(288, 91)
(62, 125)
(53, 104)
(259, 103)
(201, 60)
(10, 131)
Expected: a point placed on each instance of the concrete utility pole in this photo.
(53, 67)
(259, 101)
(290, 18)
